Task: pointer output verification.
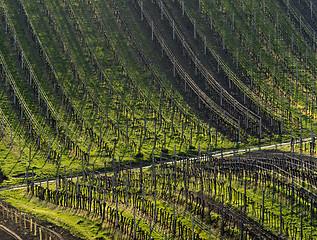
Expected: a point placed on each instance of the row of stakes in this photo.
(28, 223)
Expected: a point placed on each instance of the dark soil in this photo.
(25, 234)
(2, 177)
(4, 235)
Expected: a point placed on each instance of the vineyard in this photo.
(158, 119)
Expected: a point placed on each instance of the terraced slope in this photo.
(267, 66)
(90, 87)
(81, 97)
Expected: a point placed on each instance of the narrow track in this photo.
(7, 234)
(214, 154)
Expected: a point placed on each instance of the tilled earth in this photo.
(4, 235)
(26, 234)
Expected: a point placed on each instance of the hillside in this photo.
(93, 88)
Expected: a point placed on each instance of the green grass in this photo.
(115, 95)
(82, 225)
(116, 72)
(253, 41)
(291, 212)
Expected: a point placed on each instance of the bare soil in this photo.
(25, 233)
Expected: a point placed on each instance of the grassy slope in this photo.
(80, 224)
(116, 73)
(252, 42)
(12, 165)
(291, 212)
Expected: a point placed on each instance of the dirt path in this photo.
(7, 234)
(15, 224)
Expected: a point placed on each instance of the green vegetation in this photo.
(95, 86)
(81, 224)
